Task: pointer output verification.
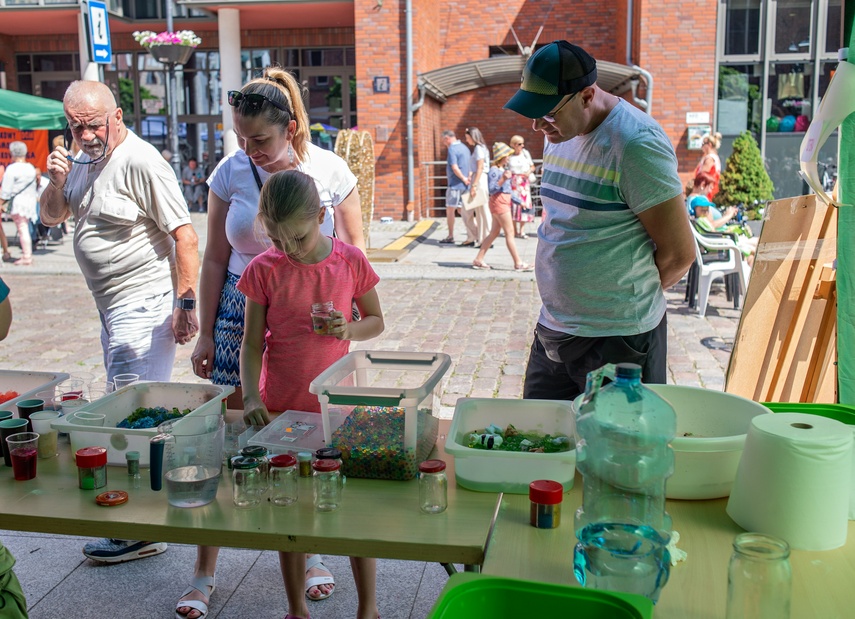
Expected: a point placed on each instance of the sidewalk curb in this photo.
(403, 245)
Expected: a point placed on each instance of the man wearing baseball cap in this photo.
(615, 231)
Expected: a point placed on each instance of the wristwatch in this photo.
(185, 304)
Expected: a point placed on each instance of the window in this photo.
(790, 88)
(834, 26)
(793, 26)
(742, 29)
(739, 104)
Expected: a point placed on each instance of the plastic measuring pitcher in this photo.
(188, 454)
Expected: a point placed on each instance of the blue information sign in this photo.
(99, 32)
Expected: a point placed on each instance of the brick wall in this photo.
(678, 48)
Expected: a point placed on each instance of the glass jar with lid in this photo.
(327, 485)
(433, 487)
(283, 480)
(261, 454)
(246, 478)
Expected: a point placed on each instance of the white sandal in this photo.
(200, 584)
(316, 562)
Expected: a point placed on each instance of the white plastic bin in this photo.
(377, 387)
(27, 385)
(507, 471)
(293, 432)
(200, 399)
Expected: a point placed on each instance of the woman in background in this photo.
(478, 166)
(522, 167)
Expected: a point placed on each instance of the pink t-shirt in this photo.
(294, 356)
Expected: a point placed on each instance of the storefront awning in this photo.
(447, 81)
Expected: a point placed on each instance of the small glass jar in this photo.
(283, 480)
(545, 496)
(304, 461)
(433, 487)
(331, 453)
(246, 478)
(759, 578)
(261, 454)
(133, 460)
(321, 316)
(327, 485)
(91, 467)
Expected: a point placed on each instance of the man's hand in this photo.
(58, 167)
(185, 325)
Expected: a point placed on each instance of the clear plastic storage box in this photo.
(116, 406)
(26, 385)
(295, 431)
(509, 471)
(390, 401)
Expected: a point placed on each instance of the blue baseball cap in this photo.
(553, 72)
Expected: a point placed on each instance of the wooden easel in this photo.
(785, 346)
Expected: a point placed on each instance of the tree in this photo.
(744, 179)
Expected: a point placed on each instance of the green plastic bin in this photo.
(476, 596)
(840, 412)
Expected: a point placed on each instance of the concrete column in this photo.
(230, 70)
(88, 69)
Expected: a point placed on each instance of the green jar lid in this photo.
(245, 462)
(254, 451)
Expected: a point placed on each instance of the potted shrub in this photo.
(744, 180)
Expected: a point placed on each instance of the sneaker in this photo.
(119, 550)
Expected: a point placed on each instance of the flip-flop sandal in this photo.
(481, 266)
(316, 562)
(200, 584)
(524, 267)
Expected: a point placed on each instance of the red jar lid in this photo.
(90, 457)
(432, 466)
(326, 466)
(283, 460)
(112, 497)
(545, 492)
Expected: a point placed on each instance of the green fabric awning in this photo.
(20, 111)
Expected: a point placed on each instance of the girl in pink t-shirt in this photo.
(281, 354)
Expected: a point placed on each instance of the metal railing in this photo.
(435, 182)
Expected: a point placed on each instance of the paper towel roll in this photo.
(794, 480)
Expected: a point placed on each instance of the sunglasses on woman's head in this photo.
(253, 101)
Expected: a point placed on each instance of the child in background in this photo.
(281, 354)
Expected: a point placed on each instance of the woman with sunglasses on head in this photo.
(272, 128)
(522, 167)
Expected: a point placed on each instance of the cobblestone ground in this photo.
(485, 325)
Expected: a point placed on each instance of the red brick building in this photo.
(352, 57)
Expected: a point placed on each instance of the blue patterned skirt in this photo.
(228, 334)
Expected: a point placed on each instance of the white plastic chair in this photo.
(717, 269)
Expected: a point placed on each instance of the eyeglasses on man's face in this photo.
(550, 118)
(253, 101)
(68, 139)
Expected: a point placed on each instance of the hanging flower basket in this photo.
(169, 47)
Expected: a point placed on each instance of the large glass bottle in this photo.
(623, 451)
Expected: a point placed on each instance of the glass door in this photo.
(330, 102)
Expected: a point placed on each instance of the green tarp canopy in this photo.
(20, 111)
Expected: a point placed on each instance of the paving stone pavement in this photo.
(432, 301)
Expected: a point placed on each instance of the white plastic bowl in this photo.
(711, 431)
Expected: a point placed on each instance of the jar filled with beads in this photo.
(321, 317)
